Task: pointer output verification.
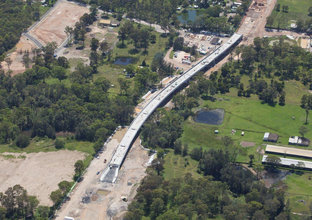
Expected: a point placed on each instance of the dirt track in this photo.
(38, 173)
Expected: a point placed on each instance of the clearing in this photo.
(250, 116)
(103, 200)
(39, 173)
(51, 27)
(299, 191)
(177, 166)
(297, 9)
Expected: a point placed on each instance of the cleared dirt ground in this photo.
(16, 56)
(105, 198)
(38, 173)
(52, 27)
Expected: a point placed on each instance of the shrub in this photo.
(59, 144)
(22, 141)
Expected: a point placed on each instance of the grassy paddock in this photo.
(252, 117)
(298, 9)
(159, 46)
(299, 191)
(47, 145)
(177, 166)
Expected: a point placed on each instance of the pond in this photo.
(211, 117)
(190, 15)
(124, 61)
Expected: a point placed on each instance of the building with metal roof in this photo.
(292, 162)
(288, 151)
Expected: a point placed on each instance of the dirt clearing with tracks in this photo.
(51, 28)
(38, 173)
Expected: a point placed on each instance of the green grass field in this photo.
(252, 117)
(159, 46)
(177, 166)
(46, 145)
(298, 9)
(299, 192)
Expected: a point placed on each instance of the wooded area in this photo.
(15, 17)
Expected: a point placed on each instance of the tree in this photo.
(69, 31)
(64, 186)
(59, 73)
(285, 8)
(48, 53)
(59, 143)
(158, 165)
(9, 61)
(178, 147)
(306, 104)
(124, 86)
(17, 203)
(303, 130)
(56, 197)
(145, 35)
(26, 59)
(79, 167)
(251, 158)
(185, 150)
(22, 141)
(94, 44)
(282, 100)
(157, 207)
(104, 47)
(310, 11)
(273, 161)
(178, 44)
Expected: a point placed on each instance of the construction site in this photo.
(93, 199)
(51, 28)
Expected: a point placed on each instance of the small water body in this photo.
(211, 117)
(191, 15)
(124, 61)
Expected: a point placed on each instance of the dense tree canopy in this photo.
(15, 17)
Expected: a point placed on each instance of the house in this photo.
(301, 141)
(270, 137)
(216, 41)
(114, 23)
(104, 22)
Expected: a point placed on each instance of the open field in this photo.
(177, 166)
(252, 117)
(298, 9)
(299, 191)
(159, 46)
(47, 145)
(38, 173)
(52, 27)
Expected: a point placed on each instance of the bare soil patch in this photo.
(247, 144)
(16, 56)
(38, 173)
(52, 27)
(105, 198)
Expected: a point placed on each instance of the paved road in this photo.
(33, 39)
(111, 173)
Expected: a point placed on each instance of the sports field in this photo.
(297, 9)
